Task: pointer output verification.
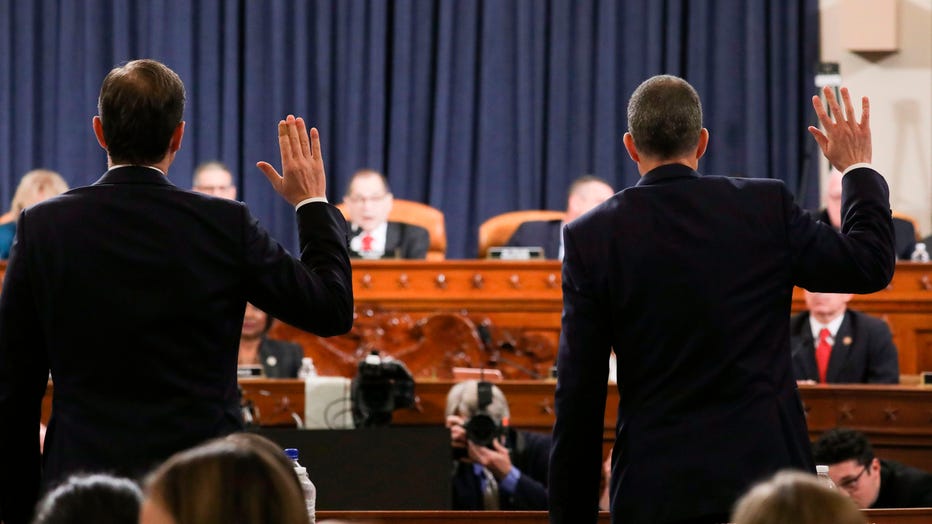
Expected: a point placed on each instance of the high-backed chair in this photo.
(430, 218)
(911, 220)
(498, 229)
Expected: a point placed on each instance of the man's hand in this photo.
(457, 432)
(844, 141)
(497, 460)
(302, 165)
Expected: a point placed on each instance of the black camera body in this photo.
(482, 428)
(380, 387)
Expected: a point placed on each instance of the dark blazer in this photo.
(863, 351)
(539, 233)
(690, 278)
(132, 292)
(903, 486)
(530, 452)
(406, 241)
(280, 359)
(904, 233)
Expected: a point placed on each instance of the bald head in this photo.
(585, 193)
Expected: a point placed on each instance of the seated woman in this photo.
(232, 479)
(35, 186)
(279, 359)
(794, 497)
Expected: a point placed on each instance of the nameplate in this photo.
(516, 253)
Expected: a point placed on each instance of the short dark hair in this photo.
(91, 498)
(140, 105)
(841, 444)
(665, 117)
(367, 172)
(583, 180)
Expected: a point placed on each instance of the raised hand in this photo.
(303, 174)
(844, 141)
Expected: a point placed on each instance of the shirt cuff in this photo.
(858, 166)
(510, 482)
(309, 200)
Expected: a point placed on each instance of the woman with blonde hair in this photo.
(35, 186)
(234, 479)
(793, 497)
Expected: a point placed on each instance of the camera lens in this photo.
(482, 430)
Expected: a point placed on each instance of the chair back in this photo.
(498, 229)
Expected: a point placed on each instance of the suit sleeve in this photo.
(531, 492)
(858, 259)
(582, 369)
(314, 293)
(416, 242)
(24, 371)
(883, 365)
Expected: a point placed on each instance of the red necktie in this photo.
(367, 242)
(822, 352)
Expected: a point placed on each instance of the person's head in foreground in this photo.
(793, 497)
(97, 498)
(851, 464)
(240, 478)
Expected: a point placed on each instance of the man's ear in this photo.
(629, 146)
(175, 144)
(98, 126)
(703, 143)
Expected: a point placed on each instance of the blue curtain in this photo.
(474, 107)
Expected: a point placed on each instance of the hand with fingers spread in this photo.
(302, 164)
(497, 460)
(843, 139)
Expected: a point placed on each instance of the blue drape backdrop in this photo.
(474, 107)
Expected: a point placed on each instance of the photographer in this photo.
(496, 467)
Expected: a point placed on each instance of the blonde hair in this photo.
(34, 183)
(793, 497)
(233, 479)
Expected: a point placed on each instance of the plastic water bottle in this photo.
(310, 491)
(920, 254)
(822, 472)
(307, 369)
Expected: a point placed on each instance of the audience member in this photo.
(214, 178)
(793, 497)
(233, 479)
(584, 194)
(279, 359)
(171, 271)
(688, 278)
(904, 232)
(97, 498)
(35, 186)
(507, 473)
(871, 482)
(368, 201)
(833, 344)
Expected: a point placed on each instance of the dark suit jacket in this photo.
(132, 292)
(863, 351)
(539, 233)
(530, 452)
(903, 230)
(406, 241)
(690, 278)
(280, 359)
(903, 487)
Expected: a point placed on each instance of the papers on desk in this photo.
(327, 403)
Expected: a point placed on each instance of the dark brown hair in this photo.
(665, 117)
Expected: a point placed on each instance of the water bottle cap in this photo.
(821, 469)
(291, 453)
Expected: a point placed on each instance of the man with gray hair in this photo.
(497, 468)
(214, 178)
(689, 279)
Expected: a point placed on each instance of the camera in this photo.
(482, 428)
(380, 387)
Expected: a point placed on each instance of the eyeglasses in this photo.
(852, 483)
(359, 199)
(212, 189)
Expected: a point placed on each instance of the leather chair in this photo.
(498, 229)
(911, 220)
(430, 218)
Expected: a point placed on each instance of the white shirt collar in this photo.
(136, 165)
(832, 325)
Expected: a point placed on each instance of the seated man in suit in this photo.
(496, 469)
(904, 231)
(585, 193)
(279, 359)
(871, 482)
(832, 344)
(368, 200)
(214, 178)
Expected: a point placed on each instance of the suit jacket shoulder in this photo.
(407, 241)
(280, 359)
(539, 233)
(903, 486)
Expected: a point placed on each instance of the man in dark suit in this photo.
(832, 344)
(689, 279)
(903, 230)
(369, 201)
(131, 292)
(585, 193)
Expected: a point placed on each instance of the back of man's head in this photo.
(665, 117)
(140, 105)
(463, 400)
(98, 498)
(841, 444)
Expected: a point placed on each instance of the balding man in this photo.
(214, 178)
